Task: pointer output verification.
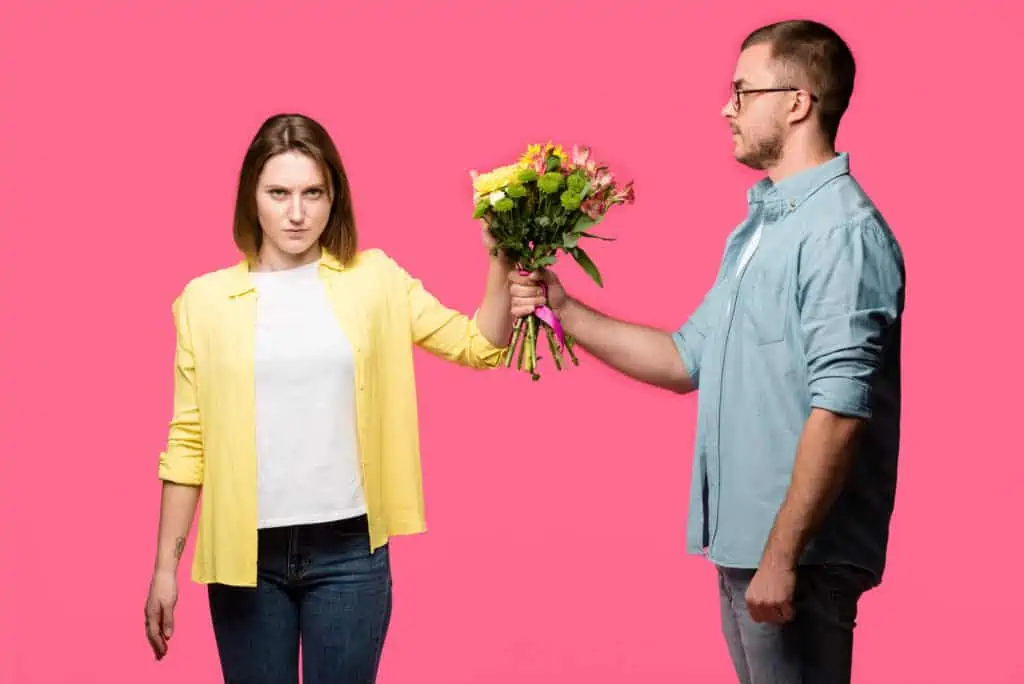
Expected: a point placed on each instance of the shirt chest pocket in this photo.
(763, 305)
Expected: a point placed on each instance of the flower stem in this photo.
(523, 349)
(555, 355)
(517, 331)
(532, 336)
(569, 342)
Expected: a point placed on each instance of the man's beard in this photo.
(763, 153)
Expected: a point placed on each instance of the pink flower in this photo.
(625, 195)
(592, 207)
(580, 155)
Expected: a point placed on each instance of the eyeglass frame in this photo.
(737, 93)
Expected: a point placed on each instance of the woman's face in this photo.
(293, 204)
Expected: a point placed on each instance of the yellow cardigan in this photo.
(211, 440)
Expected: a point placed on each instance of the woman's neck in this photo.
(270, 259)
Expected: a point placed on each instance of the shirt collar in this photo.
(798, 187)
(242, 284)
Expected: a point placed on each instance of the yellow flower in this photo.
(540, 152)
(532, 152)
(486, 183)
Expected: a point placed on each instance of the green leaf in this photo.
(583, 259)
(570, 240)
(597, 237)
(585, 223)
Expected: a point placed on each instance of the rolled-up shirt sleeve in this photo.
(689, 338)
(182, 461)
(850, 297)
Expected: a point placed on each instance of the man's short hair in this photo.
(815, 55)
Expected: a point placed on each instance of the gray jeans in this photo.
(816, 647)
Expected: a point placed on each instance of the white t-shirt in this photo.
(748, 251)
(306, 445)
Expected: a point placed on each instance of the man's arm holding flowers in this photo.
(638, 351)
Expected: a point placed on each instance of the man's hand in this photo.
(528, 292)
(770, 595)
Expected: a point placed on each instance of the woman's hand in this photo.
(490, 243)
(163, 595)
(493, 316)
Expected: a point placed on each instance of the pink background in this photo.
(123, 127)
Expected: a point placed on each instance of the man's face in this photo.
(757, 119)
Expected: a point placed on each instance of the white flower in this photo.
(496, 197)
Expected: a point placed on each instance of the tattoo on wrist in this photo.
(179, 546)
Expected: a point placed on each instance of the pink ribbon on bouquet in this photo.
(548, 316)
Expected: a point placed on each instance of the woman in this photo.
(295, 416)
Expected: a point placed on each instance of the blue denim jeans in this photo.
(318, 586)
(816, 647)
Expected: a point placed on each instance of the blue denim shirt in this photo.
(812, 320)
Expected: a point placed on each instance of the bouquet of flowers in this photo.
(545, 203)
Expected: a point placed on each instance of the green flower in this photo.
(571, 200)
(515, 190)
(550, 182)
(576, 183)
(527, 176)
(503, 205)
(480, 210)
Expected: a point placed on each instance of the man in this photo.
(796, 352)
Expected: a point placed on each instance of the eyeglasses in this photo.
(737, 94)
